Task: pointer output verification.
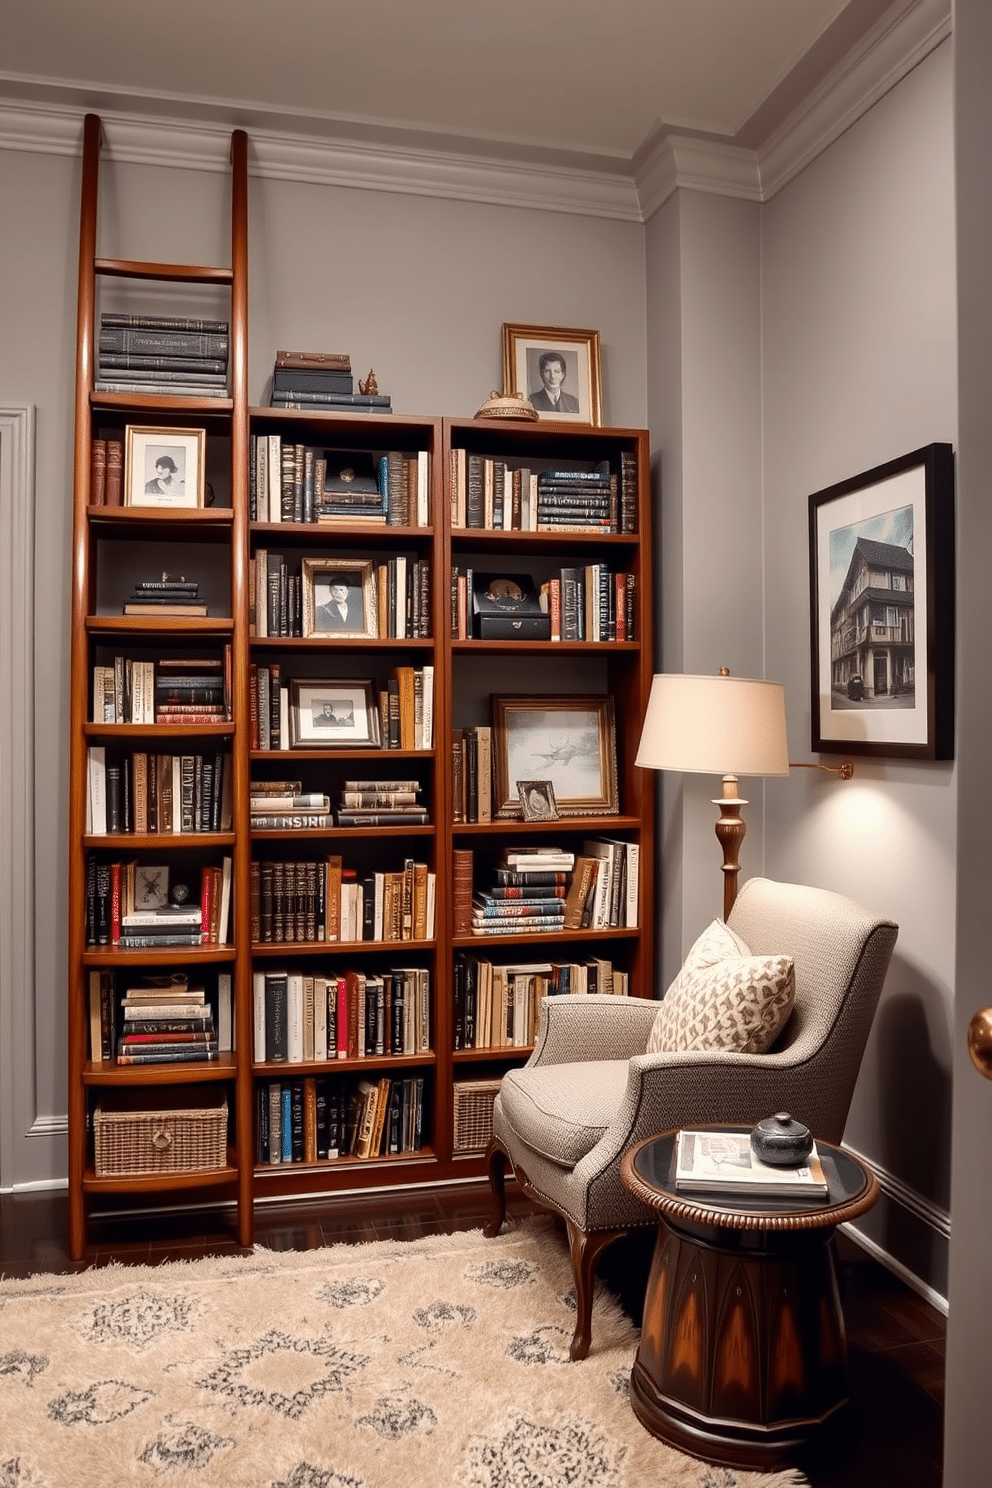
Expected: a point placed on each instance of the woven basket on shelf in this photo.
(474, 1113)
(139, 1131)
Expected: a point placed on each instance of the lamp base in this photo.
(730, 831)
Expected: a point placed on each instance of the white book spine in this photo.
(225, 1014)
(320, 1017)
(294, 1012)
(258, 1008)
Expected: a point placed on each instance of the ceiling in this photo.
(580, 81)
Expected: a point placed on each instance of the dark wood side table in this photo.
(743, 1354)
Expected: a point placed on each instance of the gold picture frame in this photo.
(531, 355)
(164, 467)
(352, 614)
(569, 741)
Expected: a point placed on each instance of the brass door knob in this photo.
(980, 1042)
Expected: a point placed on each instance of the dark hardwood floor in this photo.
(894, 1433)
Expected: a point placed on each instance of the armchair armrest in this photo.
(577, 1029)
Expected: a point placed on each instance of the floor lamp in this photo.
(717, 725)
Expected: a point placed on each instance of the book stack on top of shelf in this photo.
(183, 357)
(381, 803)
(165, 596)
(166, 1022)
(283, 805)
(322, 379)
(578, 500)
(542, 868)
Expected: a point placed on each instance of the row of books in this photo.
(549, 889)
(304, 1016)
(125, 908)
(403, 715)
(322, 900)
(167, 690)
(274, 803)
(472, 773)
(142, 792)
(589, 603)
(497, 1006)
(320, 1118)
(492, 494)
(178, 356)
(291, 482)
(390, 600)
(160, 1019)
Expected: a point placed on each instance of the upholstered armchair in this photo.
(590, 1090)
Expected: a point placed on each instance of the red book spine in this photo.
(206, 903)
(342, 1018)
(620, 604)
(115, 903)
(98, 472)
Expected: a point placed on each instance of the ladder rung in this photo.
(129, 268)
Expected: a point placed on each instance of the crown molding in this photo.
(330, 152)
(897, 44)
(413, 170)
(891, 50)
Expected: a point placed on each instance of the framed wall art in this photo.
(324, 714)
(882, 610)
(556, 370)
(339, 597)
(164, 467)
(566, 742)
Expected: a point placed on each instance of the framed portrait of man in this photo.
(339, 598)
(556, 370)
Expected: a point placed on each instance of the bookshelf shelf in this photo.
(223, 543)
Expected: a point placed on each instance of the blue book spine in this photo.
(287, 1124)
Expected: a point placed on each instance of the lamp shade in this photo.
(715, 725)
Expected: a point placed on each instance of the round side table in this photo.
(743, 1353)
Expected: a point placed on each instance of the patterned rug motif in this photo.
(441, 1363)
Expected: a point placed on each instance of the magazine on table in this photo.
(723, 1162)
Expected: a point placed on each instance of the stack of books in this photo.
(190, 691)
(165, 596)
(181, 356)
(381, 803)
(722, 1162)
(543, 873)
(170, 925)
(171, 1024)
(578, 500)
(322, 379)
(283, 805)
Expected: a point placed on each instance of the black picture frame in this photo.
(882, 610)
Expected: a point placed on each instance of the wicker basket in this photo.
(136, 1132)
(474, 1113)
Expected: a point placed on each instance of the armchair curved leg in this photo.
(585, 1248)
(496, 1162)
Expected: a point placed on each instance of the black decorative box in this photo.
(505, 607)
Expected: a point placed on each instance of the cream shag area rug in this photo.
(441, 1363)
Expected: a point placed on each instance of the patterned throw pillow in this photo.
(731, 1000)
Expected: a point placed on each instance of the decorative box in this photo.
(136, 1132)
(473, 1110)
(505, 607)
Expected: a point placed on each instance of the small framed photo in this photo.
(164, 467)
(537, 800)
(566, 742)
(339, 597)
(556, 370)
(882, 610)
(327, 714)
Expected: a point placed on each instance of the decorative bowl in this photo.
(781, 1142)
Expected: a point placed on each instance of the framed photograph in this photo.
(339, 597)
(164, 467)
(537, 800)
(556, 370)
(882, 610)
(567, 742)
(326, 714)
